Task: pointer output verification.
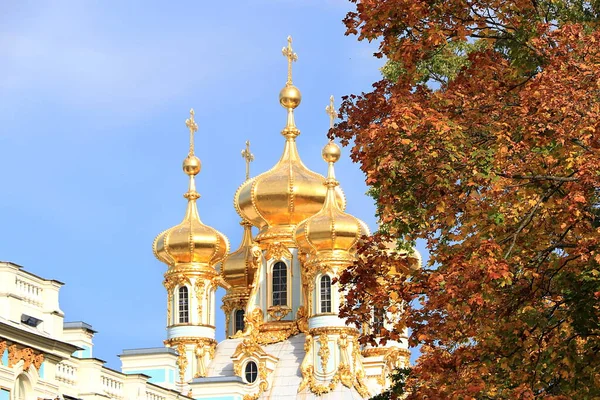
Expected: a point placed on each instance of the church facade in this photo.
(284, 338)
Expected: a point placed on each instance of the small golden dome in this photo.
(290, 97)
(191, 241)
(331, 233)
(331, 152)
(237, 268)
(192, 165)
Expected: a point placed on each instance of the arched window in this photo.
(280, 284)
(325, 294)
(184, 315)
(238, 321)
(251, 372)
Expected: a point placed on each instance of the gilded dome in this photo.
(277, 200)
(238, 268)
(331, 232)
(191, 241)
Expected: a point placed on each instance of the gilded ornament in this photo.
(324, 351)
(306, 368)
(169, 306)
(253, 321)
(334, 330)
(246, 349)
(278, 312)
(200, 352)
(302, 319)
(270, 337)
(182, 361)
(277, 251)
(346, 376)
(199, 289)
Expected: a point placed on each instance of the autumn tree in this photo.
(483, 140)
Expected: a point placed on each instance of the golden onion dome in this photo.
(331, 233)
(238, 268)
(191, 241)
(277, 200)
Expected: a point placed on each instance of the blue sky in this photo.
(93, 100)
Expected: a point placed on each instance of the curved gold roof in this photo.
(191, 241)
(237, 269)
(277, 200)
(331, 233)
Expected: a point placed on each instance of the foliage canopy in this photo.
(497, 168)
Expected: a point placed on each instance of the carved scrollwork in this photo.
(278, 312)
(182, 361)
(199, 289)
(302, 319)
(25, 354)
(277, 250)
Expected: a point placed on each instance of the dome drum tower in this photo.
(191, 250)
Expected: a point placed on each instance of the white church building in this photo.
(284, 339)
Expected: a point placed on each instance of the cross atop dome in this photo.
(193, 127)
(288, 52)
(249, 157)
(330, 110)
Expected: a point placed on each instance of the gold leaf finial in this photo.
(193, 127)
(330, 110)
(288, 52)
(249, 157)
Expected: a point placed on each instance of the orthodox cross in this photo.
(330, 110)
(193, 127)
(249, 157)
(288, 52)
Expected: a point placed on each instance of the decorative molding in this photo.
(182, 362)
(25, 354)
(277, 250)
(324, 351)
(202, 350)
(249, 350)
(180, 344)
(302, 319)
(334, 330)
(278, 312)
(199, 290)
(350, 370)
